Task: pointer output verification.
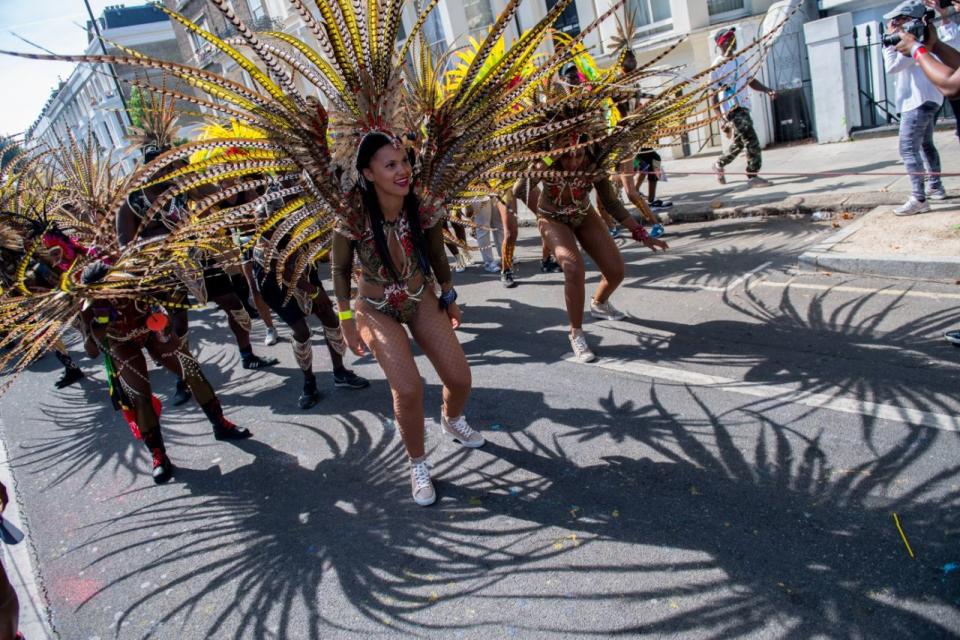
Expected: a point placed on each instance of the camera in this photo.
(916, 28)
(946, 4)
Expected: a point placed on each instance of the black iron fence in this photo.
(875, 87)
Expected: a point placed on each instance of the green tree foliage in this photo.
(135, 107)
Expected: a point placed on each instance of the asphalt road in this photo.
(728, 469)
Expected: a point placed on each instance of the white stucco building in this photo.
(661, 24)
(88, 101)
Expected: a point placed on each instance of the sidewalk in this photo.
(696, 195)
(921, 247)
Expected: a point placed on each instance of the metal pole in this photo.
(856, 61)
(103, 47)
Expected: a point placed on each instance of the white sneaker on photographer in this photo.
(938, 193)
(912, 207)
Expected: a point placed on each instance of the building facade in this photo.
(661, 23)
(88, 101)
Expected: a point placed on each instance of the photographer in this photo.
(941, 68)
(918, 102)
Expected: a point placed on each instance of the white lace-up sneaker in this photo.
(911, 207)
(937, 193)
(605, 311)
(460, 431)
(271, 338)
(580, 347)
(420, 483)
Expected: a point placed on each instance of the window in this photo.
(478, 13)
(109, 136)
(717, 7)
(257, 10)
(569, 21)
(433, 30)
(198, 43)
(651, 13)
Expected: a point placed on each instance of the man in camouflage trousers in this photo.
(733, 77)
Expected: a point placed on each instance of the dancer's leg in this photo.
(604, 252)
(432, 330)
(390, 345)
(560, 240)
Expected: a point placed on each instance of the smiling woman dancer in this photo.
(399, 262)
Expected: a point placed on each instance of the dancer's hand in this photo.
(352, 337)
(653, 244)
(453, 312)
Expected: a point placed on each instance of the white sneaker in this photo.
(911, 207)
(491, 267)
(580, 347)
(420, 483)
(462, 262)
(719, 172)
(461, 432)
(605, 311)
(756, 182)
(937, 194)
(271, 338)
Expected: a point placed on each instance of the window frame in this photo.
(658, 26)
(732, 14)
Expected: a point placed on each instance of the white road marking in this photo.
(18, 561)
(847, 289)
(783, 394)
(736, 283)
(733, 284)
(686, 287)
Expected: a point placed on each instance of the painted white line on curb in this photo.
(783, 394)
(18, 562)
(847, 289)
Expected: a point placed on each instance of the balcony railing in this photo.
(257, 24)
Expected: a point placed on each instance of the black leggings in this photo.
(955, 104)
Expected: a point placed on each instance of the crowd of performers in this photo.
(367, 170)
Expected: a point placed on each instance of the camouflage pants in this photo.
(744, 137)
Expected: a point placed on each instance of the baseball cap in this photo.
(909, 8)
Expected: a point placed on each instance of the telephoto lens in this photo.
(891, 39)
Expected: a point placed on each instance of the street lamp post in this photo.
(103, 47)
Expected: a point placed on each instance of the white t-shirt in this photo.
(733, 76)
(913, 87)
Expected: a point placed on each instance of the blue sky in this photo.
(26, 84)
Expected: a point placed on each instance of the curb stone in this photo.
(821, 258)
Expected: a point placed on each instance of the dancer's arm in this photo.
(438, 257)
(441, 271)
(526, 189)
(607, 196)
(341, 270)
(942, 68)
